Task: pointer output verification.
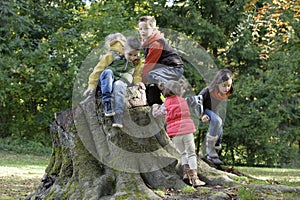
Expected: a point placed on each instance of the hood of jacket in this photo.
(154, 37)
(117, 45)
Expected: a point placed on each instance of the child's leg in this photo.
(190, 148)
(215, 123)
(192, 160)
(178, 143)
(163, 73)
(153, 94)
(106, 81)
(119, 102)
(119, 96)
(215, 131)
(158, 76)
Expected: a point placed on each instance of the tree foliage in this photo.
(44, 42)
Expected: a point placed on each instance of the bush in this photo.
(24, 146)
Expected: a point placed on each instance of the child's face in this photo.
(145, 30)
(224, 87)
(131, 54)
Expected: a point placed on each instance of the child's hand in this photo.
(87, 92)
(141, 85)
(205, 118)
(158, 110)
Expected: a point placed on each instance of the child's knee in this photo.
(217, 121)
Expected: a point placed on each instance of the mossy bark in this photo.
(93, 160)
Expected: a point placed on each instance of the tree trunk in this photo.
(93, 160)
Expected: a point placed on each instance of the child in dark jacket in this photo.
(217, 92)
(162, 63)
(180, 128)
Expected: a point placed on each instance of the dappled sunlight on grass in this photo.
(20, 174)
(17, 186)
(281, 175)
(25, 171)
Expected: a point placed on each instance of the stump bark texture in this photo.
(93, 160)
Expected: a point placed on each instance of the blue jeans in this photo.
(215, 124)
(163, 73)
(113, 91)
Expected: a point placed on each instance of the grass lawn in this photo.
(20, 174)
(283, 176)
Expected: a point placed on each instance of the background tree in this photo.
(43, 44)
(267, 86)
(39, 57)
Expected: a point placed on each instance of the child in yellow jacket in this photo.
(117, 69)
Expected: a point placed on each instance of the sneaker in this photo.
(153, 94)
(108, 109)
(196, 102)
(118, 121)
(160, 85)
(218, 147)
(192, 101)
(215, 160)
(199, 108)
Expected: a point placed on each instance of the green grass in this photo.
(284, 176)
(20, 174)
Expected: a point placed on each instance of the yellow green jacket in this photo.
(116, 51)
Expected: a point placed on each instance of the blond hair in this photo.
(114, 36)
(149, 20)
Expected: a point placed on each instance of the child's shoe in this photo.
(160, 85)
(218, 147)
(153, 94)
(118, 121)
(196, 182)
(196, 102)
(199, 108)
(108, 109)
(215, 160)
(185, 174)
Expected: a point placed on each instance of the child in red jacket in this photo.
(162, 62)
(180, 128)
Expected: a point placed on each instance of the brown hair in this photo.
(149, 20)
(133, 43)
(222, 76)
(172, 88)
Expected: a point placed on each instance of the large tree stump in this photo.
(93, 160)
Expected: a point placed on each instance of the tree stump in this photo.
(92, 160)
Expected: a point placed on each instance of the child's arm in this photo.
(158, 110)
(94, 76)
(137, 76)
